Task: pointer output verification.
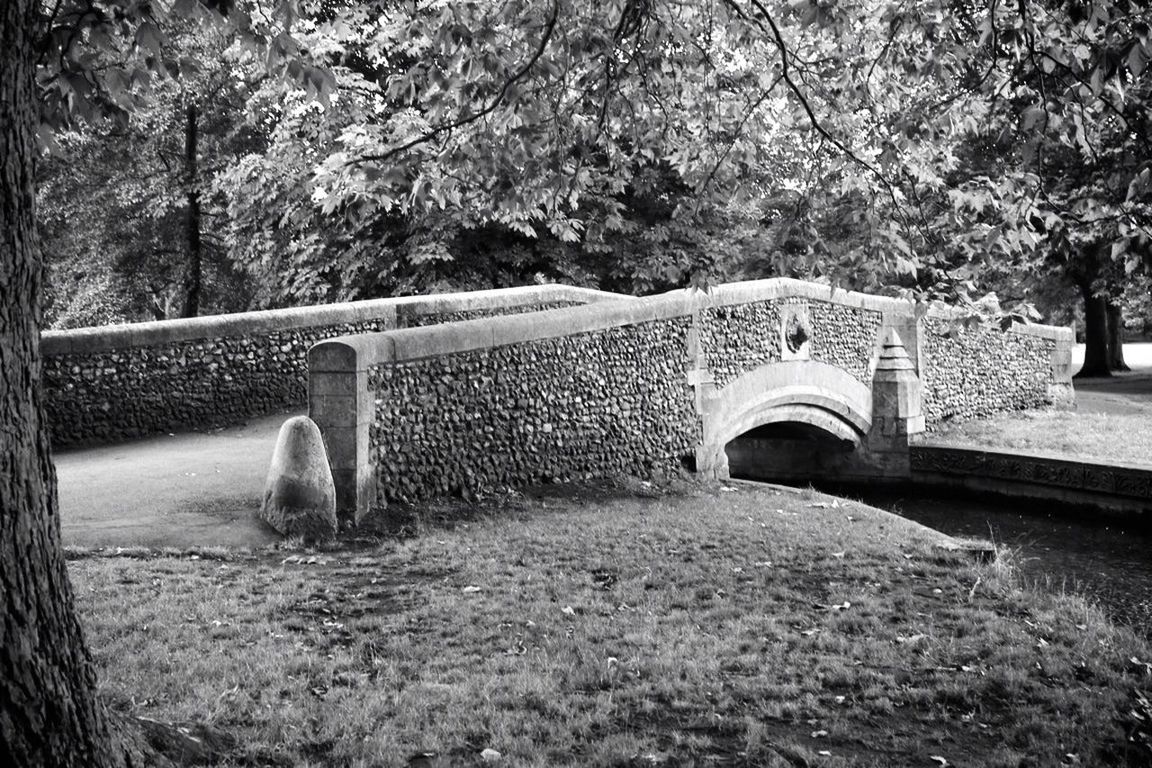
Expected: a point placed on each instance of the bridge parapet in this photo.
(114, 382)
(645, 386)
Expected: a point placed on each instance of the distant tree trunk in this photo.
(1116, 338)
(49, 714)
(1095, 333)
(193, 277)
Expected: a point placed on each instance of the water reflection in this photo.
(1107, 558)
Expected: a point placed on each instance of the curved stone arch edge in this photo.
(807, 391)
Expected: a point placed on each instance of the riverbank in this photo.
(1107, 560)
(636, 626)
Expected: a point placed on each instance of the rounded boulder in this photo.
(299, 495)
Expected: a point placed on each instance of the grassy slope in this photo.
(1103, 437)
(734, 626)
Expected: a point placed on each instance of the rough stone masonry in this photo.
(652, 385)
(111, 383)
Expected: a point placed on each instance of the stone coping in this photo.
(786, 288)
(938, 311)
(361, 351)
(364, 350)
(1038, 468)
(240, 324)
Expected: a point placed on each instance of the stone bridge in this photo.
(812, 379)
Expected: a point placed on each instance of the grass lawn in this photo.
(1103, 437)
(625, 627)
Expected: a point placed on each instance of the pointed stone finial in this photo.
(893, 357)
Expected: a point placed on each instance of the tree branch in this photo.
(785, 73)
(473, 117)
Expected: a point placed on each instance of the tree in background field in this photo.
(1003, 144)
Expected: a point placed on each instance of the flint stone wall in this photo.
(738, 338)
(975, 370)
(609, 402)
(112, 383)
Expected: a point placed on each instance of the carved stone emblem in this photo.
(795, 333)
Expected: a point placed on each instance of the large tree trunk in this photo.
(193, 277)
(1116, 338)
(1095, 333)
(49, 714)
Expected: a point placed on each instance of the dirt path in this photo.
(190, 489)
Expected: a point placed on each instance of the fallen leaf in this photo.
(819, 734)
(470, 589)
(569, 610)
(938, 759)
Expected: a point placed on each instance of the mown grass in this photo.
(1125, 438)
(719, 626)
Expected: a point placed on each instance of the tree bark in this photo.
(49, 714)
(1095, 334)
(193, 277)
(1116, 338)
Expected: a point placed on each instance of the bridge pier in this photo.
(897, 409)
(868, 428)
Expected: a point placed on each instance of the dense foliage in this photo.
(941, 149)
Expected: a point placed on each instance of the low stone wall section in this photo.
(741, 330)
(606, 402)
(976, 369)
(116, 382)
(1036, 475)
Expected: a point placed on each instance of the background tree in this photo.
(123, 200)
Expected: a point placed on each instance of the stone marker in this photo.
(299, 496)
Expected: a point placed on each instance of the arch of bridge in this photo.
(805, 391)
